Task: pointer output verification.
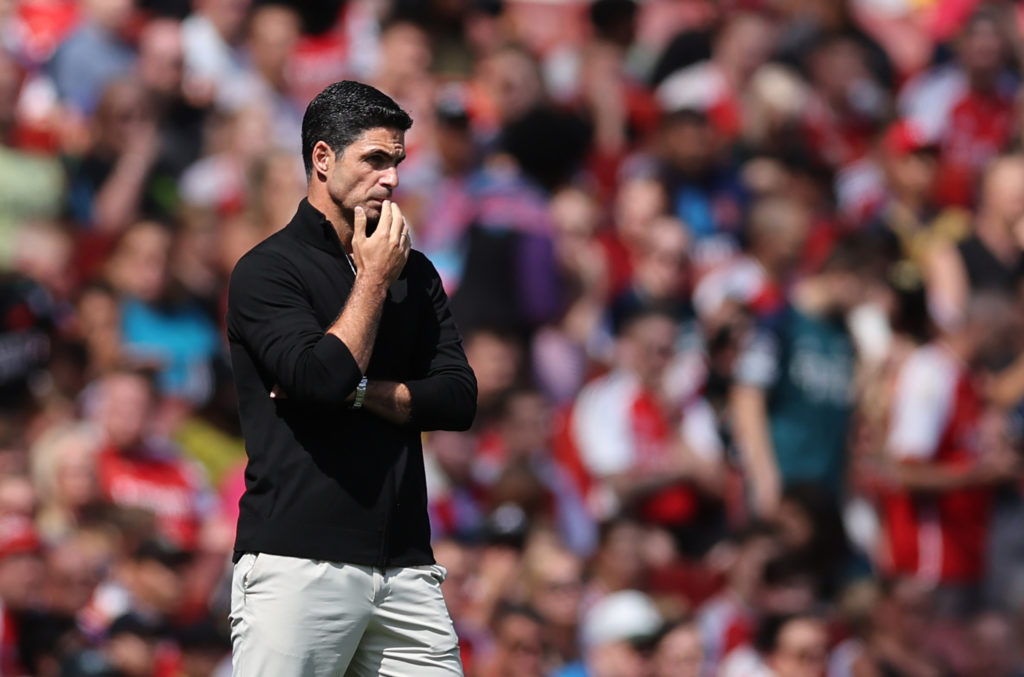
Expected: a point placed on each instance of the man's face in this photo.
(802, 649)
(366, 172)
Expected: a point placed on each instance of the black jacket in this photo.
(324, 481)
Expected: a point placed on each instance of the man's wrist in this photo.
(359, 394)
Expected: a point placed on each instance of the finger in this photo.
(385, 218)
(360, 223)
(406, 236)
(397, 221)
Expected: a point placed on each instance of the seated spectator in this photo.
(63, 463)
(614, 633)
(518, 644)
(136, 469)
(94, 54)
(649, 446)
(678, 652)
(160, 325)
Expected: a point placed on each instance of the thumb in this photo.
(359, 227)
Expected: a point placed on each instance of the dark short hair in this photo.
(343, 111)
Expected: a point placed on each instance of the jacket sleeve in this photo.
(270, 315)
(445, 398)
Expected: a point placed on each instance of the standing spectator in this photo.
(990, 258)
(980, 121)
(793, 395)
(945, 464)
(94, 54)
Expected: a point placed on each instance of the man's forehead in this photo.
(391, 138)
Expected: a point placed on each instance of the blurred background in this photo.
(741, 282)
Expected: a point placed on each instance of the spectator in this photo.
(94, 54)
(137, 470)
(794, 385)
(944, 463)
(518, 644)
(678, 652)
(612, 632)
(655, 449)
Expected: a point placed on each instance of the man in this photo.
(344, 351)
(947, 458)
(649, 440)
(793, 392)
(616, 635)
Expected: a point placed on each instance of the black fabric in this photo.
(324, 481)
(985, 271)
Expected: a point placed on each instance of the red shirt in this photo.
(937, 536)
(160, 483)
(979, 128)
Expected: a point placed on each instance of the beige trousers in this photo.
(294, 617)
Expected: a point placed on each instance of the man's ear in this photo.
(323, 158)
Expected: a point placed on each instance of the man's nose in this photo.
(389, 178)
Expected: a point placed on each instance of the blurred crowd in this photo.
(740, 280)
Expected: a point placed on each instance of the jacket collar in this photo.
(311, 226)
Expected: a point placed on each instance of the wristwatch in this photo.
(357, 403)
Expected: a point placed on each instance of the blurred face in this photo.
(520, 647)
(405, 51)
(132, 655)
(273, 32)
(981, 49)
(157, 585)
(495, 361)
(745, 44)
(111, 14)
(513, 82)
(679, 654)
(454, 452)
(457, 587)
(619, 559)
(140, 264)
(688, 145)
(616, 659)
(72, 576)
(638, 204)
(76, 473)
(905, 614)
(366, 172)
(122, 112)
(162, 57)
(651, 347)
(527, 427)
(125, 409)
(802, 649)
(17, 496)
(992, 641)
(21, 579)
(559, 589)
(1003, 194)
(661, 270)
(913, 174)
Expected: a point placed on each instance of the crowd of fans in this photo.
(740, 281)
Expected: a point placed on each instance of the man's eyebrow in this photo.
(398, 157)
